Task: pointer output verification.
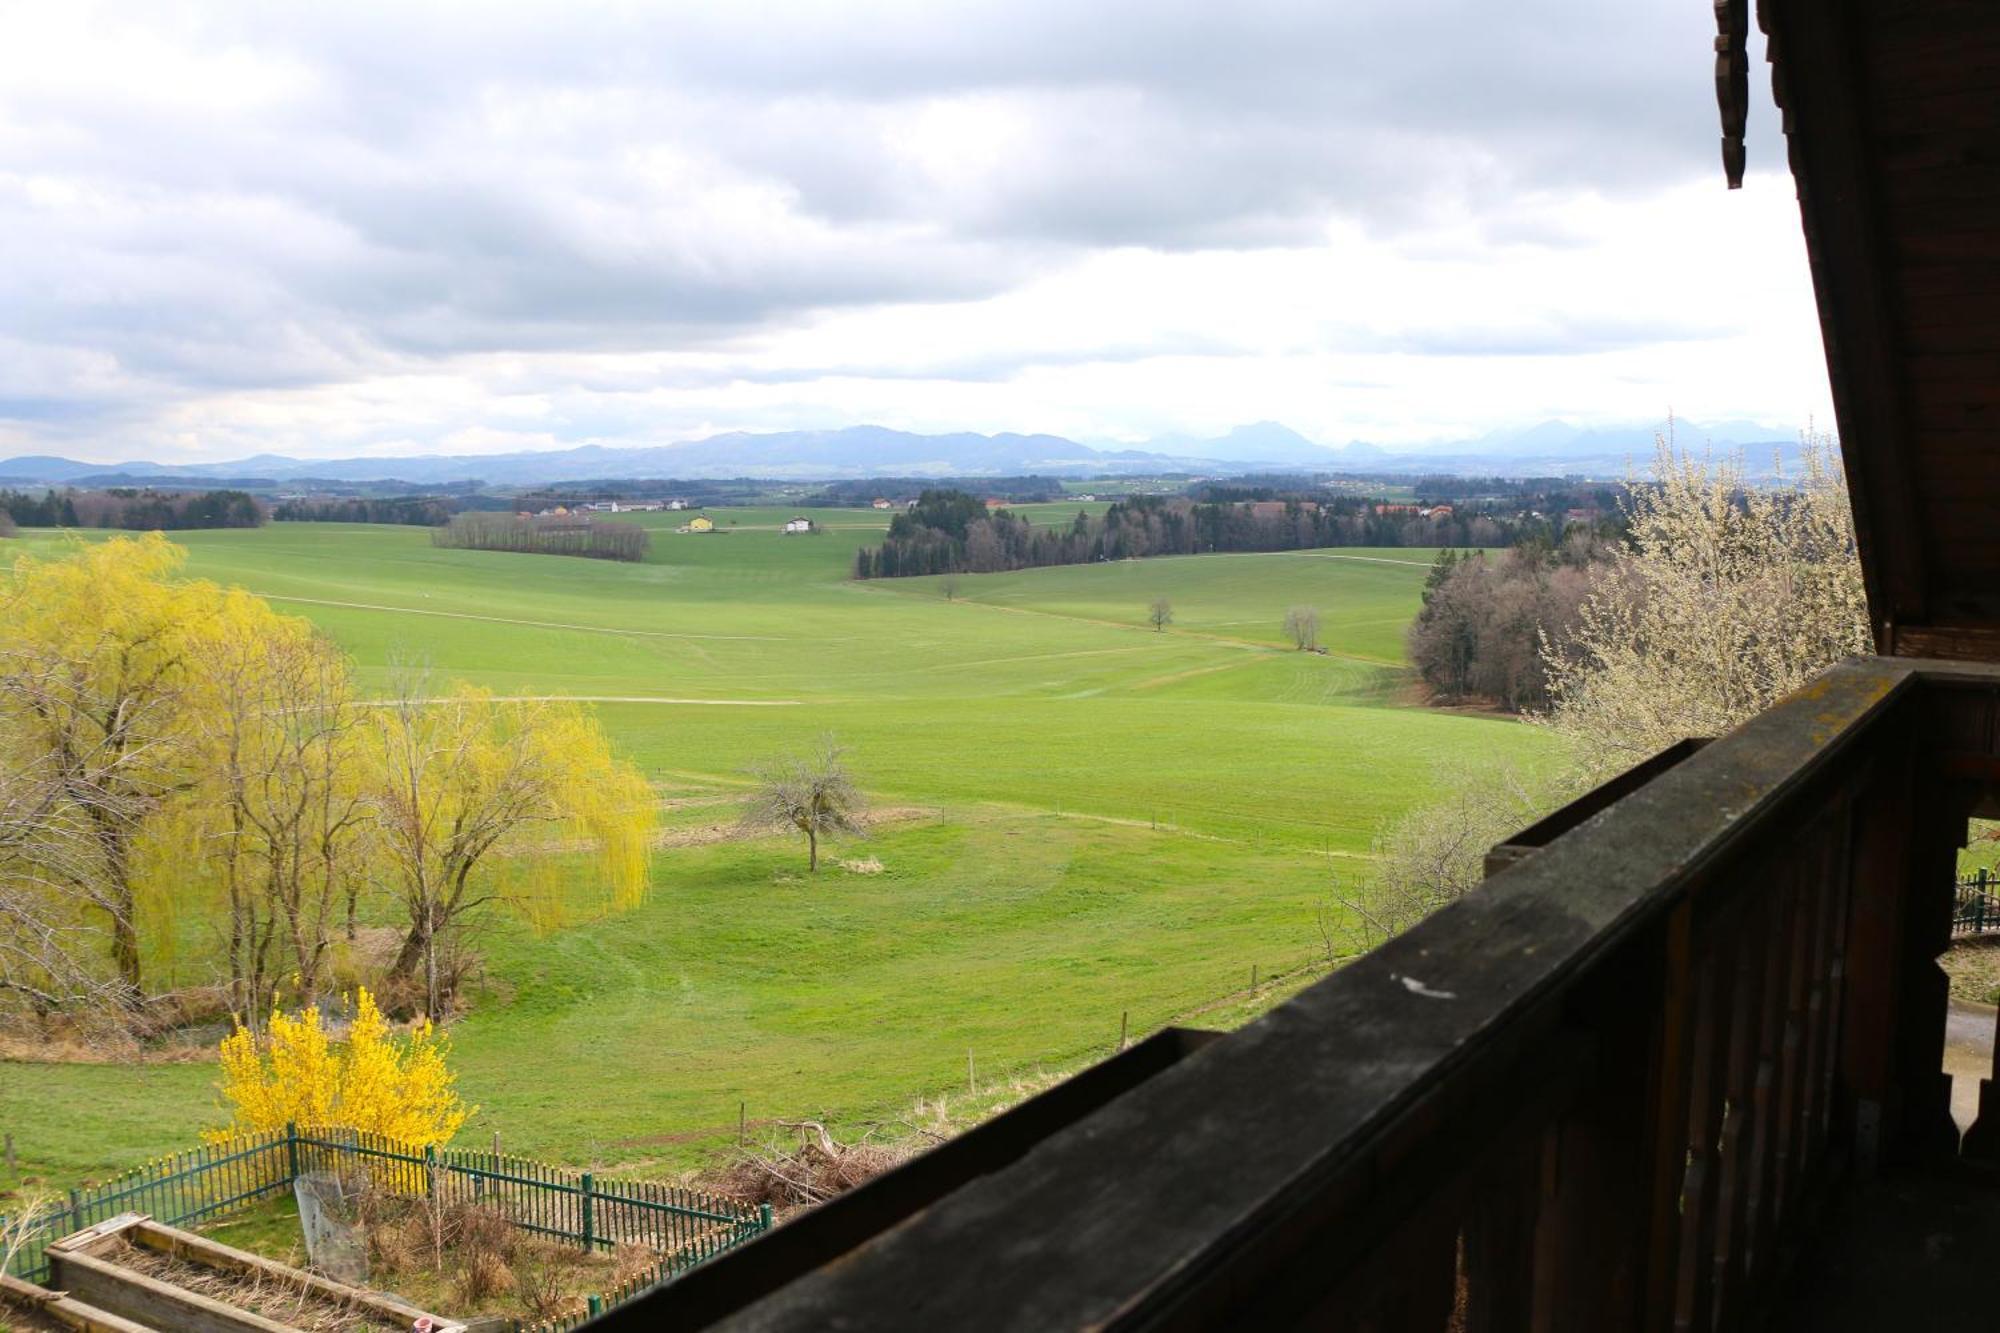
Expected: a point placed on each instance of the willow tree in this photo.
(93, 693)
(277, 807)
(479, 801)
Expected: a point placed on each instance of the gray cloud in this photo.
(395, 183)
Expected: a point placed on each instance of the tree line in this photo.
(414, 510)
(951, 532)
(195, 799)
(1489, 620)
(552, 535)
(136, 510)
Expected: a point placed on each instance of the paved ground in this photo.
(1968, 1056)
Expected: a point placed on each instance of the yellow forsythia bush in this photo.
(376, 1081)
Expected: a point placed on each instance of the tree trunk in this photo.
(812, 851)
(415, 944)
(125, 948)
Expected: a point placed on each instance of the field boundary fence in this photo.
(684, 1227)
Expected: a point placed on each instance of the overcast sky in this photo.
(352, 228)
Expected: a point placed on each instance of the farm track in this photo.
(710, 834)
(610, 699)
(531, 624)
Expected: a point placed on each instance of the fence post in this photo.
(763, 1217)
(292, 1149)
(75, 1212)
(588, 1239)
(596, 1303)
(430, 1170)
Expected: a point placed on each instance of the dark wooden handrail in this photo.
(1603, 1092)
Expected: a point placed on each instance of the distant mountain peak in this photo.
(1551, 446)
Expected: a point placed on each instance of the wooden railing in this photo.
(1608, 1091)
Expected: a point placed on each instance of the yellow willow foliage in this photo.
(377, 1082)
(507, 794)
(94, 650)
(603, 803)
(274, 801)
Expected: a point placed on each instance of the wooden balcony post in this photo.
(1897, 1100)
(1594, 1238)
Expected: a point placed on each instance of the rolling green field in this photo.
(1083, 817)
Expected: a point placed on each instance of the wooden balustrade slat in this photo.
(1693, 1308)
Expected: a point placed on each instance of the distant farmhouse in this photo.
(699, 523)
(799, 525)
(880, 503)
(1419, 511)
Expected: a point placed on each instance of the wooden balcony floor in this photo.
(1903, 1252)
(1910, 1251)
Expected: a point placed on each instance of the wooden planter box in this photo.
(93, 1266)
(18, 1295)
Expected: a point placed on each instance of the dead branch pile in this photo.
(817, 1169)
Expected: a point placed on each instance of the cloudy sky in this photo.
(353, 228)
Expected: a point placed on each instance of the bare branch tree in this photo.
(1160, 614)
(1302, 627)
(1728, 597)
(1434, 856)
(811, 793)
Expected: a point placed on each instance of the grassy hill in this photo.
(1091, 818)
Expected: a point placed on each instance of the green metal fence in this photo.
(1975, 910)
(686, 1227)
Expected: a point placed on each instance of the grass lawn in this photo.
(1096, 818)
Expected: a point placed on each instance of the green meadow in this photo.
(1083, 818)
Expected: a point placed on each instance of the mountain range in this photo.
(1548, 448)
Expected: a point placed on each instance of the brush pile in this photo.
(818, 1168)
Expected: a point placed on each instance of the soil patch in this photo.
(1974, 969)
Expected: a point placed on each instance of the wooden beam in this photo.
(1816, 75)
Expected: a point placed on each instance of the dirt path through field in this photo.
(708, 834)
(531, 624)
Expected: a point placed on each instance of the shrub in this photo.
(399, 1087)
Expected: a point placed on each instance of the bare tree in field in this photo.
(811, 793)
(948, 585)
(1160, 614)
(1302, 627)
